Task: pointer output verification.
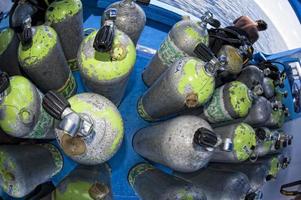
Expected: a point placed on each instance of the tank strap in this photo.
(290, 193)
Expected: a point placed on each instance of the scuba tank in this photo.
(150, 183)
(106, 60)
(44, 62)
(185, 143)
(9, 52)
(265, 141)
(277, 117)
(188, 83)
(21, 111)
(24, 167)
(239, 143)
(230, 101)
(180, 42)
(85, 183)
(256, 173)
(130, 17)
(66, 17)
(268, 87)
(90, 129)
(252, 77)
(274, 163)
(220, 185)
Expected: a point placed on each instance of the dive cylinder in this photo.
(220, 184)
(85, 183)
(266, 140)
(230, 101)
(66, 17)
(44, 62)
(274, 163)
(252, 77)
(9, 52)
(90, 129)
(150, 183)
(239, 143)
(234, 59)
(188, 83)
(256, 173)
(21, 111)
(24, 167)
(268, 87)
(130, 17)
(106, 59)
(185, 143)
(277, 117)
(180, 42)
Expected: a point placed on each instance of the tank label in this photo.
(43, 125)
(215, 110)
(142, 112)
(138, 170)
(57, 157)
(169, 52)
(73, 65)
(69, 87)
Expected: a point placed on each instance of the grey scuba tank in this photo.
(185, 143)
(188, 83)
(268, 88)
(85, 183)
(256, 173)
(266, 141)
(150, 183)
(24, 167)
(274, 163)
(66, 17)
(106, 59)
(90, 128)
(230, 101)
(220, 184)
(21, 111)
(44, 62)
(181, 41)
(239, 143)
(277, 117)
(130, 18)
(252, 77)
(9, 52)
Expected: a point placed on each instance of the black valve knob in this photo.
(214, 22)
(143, 2)
(26, 36)
(203, 52)
(104, 39)
(4, 81)
(205, 137)
(261, 134)
(55, 104)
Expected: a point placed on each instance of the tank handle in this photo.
(104, 38)
(4, 83)
(143, 2)
(55, 104)
(206, 138)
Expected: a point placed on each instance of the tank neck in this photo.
(98, 191)
(261, 134)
